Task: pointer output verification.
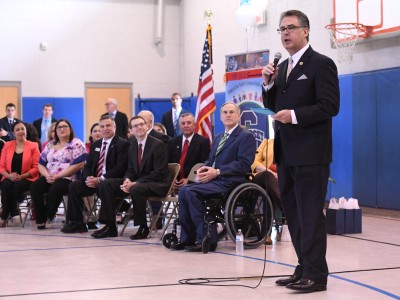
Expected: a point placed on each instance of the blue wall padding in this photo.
(71, 109)
(366, 139)
(158, 106)
(388, 139)
(342, 135)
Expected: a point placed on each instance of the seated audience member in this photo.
(32, 135)
(232, 152)
(149, 118)
(147, 175)
(187, 149)
(95, 135)
(19, 167)
(50, 135)
(260, 170)
(160, 128)
(58, 165)
(108, 158)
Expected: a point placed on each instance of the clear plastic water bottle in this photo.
(239, 242)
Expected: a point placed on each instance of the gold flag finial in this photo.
(208, 14)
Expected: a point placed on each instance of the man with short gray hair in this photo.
(121, 120)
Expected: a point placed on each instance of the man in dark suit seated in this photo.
(232, 152)
(43, 124)
(170, 119)
(121, 120)
(147, 175)
(304, 92)
(108, 158)
(6, 123)
(187, 149)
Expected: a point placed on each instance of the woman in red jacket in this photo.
(19, 167)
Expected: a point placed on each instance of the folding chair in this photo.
(91, 207)
(174, 171)
(173, 203)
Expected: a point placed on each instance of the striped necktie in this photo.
(222, 143)
(220, 146)
(100, 164)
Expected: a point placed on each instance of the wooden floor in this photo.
(51, 265)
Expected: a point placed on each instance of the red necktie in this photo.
(183, 157)
(139, 156)
(100, 164)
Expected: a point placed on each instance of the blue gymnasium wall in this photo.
(366, 139)
(64, 108)
(160, 105)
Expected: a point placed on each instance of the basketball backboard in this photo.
(380, 17)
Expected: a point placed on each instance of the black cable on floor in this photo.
(364, 270)
(368, 240)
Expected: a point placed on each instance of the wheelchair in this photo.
(247, 207)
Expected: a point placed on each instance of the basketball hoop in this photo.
(344, 36)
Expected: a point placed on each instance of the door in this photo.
(96, 95)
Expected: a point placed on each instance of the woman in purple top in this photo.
(59, 164)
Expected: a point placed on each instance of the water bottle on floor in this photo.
(239, 242)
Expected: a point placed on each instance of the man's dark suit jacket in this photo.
(38, 125)
(116, 158)
(168, 122)
(236, 156)
(198, 152)
(121, 121)
(154, 167)
(158, 135)
(7, 127)
(312, 92)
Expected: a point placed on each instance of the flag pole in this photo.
(206, 103)
(208, 14)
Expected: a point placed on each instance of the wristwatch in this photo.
(218, 172)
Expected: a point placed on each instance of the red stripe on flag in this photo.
(206, 103)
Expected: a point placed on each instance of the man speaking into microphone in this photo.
(304, 92)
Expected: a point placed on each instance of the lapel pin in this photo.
(301, 63)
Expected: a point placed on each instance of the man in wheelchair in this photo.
(232, 153)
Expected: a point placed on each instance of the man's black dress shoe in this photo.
(105, 232)
(180, 245)
(305, 285)
(74, 227)
(141, 234)
(195, 248)
(291, 279)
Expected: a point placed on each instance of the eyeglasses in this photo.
(289, 28)
(138, 125)
(62, 127)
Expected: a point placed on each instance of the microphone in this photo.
(277, 57)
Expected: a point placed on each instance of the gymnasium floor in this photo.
(52, 265)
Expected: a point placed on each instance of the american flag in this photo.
(206, 104)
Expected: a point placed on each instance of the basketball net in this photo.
(344, 37)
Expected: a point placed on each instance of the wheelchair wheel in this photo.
(249, 208)
(168, 239)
